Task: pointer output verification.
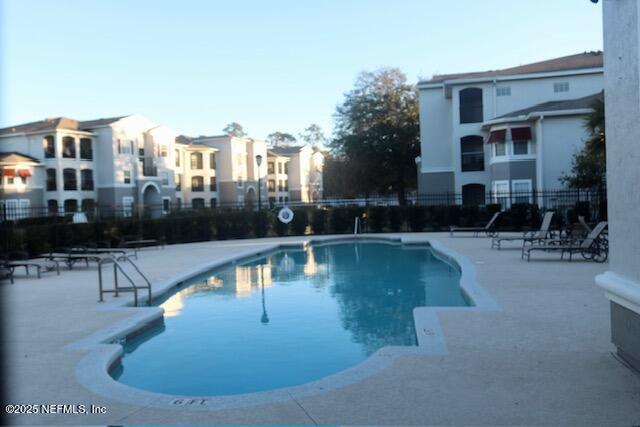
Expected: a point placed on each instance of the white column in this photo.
(622, 105)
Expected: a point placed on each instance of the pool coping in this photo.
(104, 348)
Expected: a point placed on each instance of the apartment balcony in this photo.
(148, 166)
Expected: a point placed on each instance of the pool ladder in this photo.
(118, 266)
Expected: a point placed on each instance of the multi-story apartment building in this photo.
(304, 166)
(68, 165)
(123, 163)
(511, 130)
(277, 177)
(195, 174)
(237, 170)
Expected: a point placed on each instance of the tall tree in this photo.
(588, 166)
(234, 129)
(377, 132)
(281, 138)
(313, 135)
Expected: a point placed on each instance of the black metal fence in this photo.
(594, 201)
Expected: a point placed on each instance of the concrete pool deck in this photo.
(543, 358)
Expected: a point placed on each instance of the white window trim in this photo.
(164, 211)
(529, 183)
(127, 206)
(509, 156)
(503, 194)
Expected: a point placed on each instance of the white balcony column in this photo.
(622, 105)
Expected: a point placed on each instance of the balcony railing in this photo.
(148, 167)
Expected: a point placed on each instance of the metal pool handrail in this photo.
(117, 289)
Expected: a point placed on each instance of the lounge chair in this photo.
(22, 259)
(489, 229)
(70, 256)
(6, 271)
(528, 237)
(594, 247)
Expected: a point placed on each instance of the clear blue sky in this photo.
(269, 65)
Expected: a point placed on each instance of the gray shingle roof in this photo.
(569, 104)
(15, 157)
(286, 150)
(51, 124)
(565, 63)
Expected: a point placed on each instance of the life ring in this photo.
(285, 215)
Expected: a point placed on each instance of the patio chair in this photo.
(530, 237)
(22, 259)
(6, 271)
(489, 229)
(594, 247)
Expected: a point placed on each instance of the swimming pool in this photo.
(288, 318)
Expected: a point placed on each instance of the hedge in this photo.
(39, 235)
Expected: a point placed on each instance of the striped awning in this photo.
(8, 172)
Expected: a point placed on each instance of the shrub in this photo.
(376, 219)
(416, 218)
(318, 221)
(299, 221)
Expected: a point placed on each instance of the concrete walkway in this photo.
(545, 358)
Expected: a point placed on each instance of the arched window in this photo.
(473, 194)
(69, 147)
(471, 153)
(70, 205)
(52, 206)
(49, 145)
(197, 183)
(471, 105)
(86, 182)
(86, 150)
(70, 180)
(196, 160)
(51, 180)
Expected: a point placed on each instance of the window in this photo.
(521, 190)
(472, 153)
(68, 147)
(279, 167)
(286, 168)
(127, 206)
(286, 199)
(127, 177)
(86, 179)
(501, 192)
(177, 158)
(561, 87)
(196, 160)
(70, 205)
(178, 179)
(286, 185)
(197, 183)
(271, 185)
(163, 151)
(166, 205)
(49, 145)
(503, 91)
(271, 167)
(471, 105)
(280, 185)
(86, 150)
(272, 200)
(69, 179)
(520, 147)
(212, 161)
(214, 202)
(51, 180)
(280, 199)
(197, 203)
(499, 149)
(52, 206)
(240, 183)
(88, 205)
(213, 185)
(164, 176)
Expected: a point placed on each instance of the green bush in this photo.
(318, 221)
(377, 219)
(300, 221)
(340, 220)
(396, 218)
(416, 218)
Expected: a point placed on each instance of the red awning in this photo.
(24, 173)
(8, 172)
(521, 134)
(497, 136)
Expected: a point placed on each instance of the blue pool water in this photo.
(288, 318)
